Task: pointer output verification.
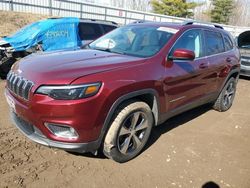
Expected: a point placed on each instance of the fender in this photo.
(233, 71)
(120, 100)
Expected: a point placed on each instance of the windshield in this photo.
(134, 40)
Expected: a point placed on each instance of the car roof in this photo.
(158, 24)
(184, 25)
(86, 20)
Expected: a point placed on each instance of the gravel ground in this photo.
(190, 150)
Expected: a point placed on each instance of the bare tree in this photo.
(240, 16)
(241, 13)
(202, 12)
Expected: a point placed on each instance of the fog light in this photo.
(62, 131)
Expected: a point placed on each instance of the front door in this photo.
(184, 81)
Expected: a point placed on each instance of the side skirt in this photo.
(207, 99)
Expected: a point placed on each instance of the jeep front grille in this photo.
(19, 85)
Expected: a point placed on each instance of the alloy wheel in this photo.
(229, 94)
(131, 134)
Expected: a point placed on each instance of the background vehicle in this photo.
(243, 41)
(50, 35)
(114, 92)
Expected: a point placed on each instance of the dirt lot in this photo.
(187, 151)
(190, 150)
(10, 22)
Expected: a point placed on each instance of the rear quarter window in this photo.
(228, 43)
(108, 28)
(89, 31)
(214, 42)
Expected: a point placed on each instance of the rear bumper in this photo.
(36, 135)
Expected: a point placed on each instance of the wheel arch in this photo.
(235, 73)
(149, 96)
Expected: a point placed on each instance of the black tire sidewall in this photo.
(115, 153)
(6, 66)
(223, 107)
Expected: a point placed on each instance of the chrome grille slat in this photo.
(15, 85)
(19, 86)
(23, 88)
(27, 90)
(8, 79)
(11, 81)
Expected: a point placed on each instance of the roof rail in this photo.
(96, 20)
(140, 21)
(54, 18)
(201, 23)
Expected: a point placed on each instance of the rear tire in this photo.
(226, 97)
(129, 132)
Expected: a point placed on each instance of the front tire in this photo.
(226, 97)
(5, 66)
(129, 132)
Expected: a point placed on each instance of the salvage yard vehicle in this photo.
(244, 45)
(109, 96)
(49, 35)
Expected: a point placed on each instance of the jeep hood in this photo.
(63, 67)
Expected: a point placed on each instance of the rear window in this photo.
(214, 43)
(228, 43)
(89, 31)
(108, 28)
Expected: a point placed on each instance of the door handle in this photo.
(203, 65)
(229, 60)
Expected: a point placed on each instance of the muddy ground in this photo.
(190, 150)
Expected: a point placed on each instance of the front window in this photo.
(190, 40)
(134, 40)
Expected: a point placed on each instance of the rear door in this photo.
(216, 57)
(184, 81)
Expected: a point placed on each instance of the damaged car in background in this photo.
(244, 46)
(51, 34)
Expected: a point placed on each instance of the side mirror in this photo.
(183, 54)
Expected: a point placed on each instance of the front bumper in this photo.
(245, 70)
(245, 67)
(30, 118)
(76, 114)
(36, 135)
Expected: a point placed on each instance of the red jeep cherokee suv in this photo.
(112, 93)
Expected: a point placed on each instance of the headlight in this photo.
(69, 92)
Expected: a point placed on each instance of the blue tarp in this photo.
(54, 34)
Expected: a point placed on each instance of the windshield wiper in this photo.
(102, 49)
(123, 53)
(109, 50)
